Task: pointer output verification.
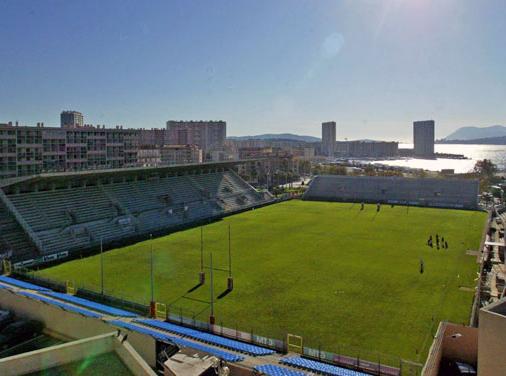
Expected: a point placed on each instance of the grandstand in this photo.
(50, 216)
(444, 193)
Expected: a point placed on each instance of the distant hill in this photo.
(278, 136)
(477, 141)
(473, 133)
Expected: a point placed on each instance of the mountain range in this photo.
(475, 133)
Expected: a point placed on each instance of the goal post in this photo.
(70, 287)
(160, 311)
(294, 343)
(6, 267)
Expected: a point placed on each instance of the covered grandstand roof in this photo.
(126, 171)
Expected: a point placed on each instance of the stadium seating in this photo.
(274, 370)
(207, 337)
(90, 304)
(319, 367)
(13, 239)
(229, 357)
(21, 284)
(66, 307)
(77, 218)
(448, 193)
(136, 328)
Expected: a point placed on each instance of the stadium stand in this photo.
(62, 213)
(229, 357)
(434, 192)
(67, 307)
(13, 240)
(319, 367)
(21, 284)
(208, 337)
(136, 328)
(274, 370)
(90, 304)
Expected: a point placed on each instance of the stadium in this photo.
(339, 273)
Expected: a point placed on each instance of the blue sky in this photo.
(263, 66)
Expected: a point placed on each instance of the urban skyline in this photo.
(373, 67)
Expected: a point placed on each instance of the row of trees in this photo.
(486, 171)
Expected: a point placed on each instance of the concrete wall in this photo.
(492, 344)
(56, 356)
(452, 341)
(460, 342)
(72, 325)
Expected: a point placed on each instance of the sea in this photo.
(496, 153)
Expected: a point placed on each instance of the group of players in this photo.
(439, 241)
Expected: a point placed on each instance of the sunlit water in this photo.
(497, 153)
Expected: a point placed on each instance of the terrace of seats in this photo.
(207, 337)
(13, 237)
(431, 192)
(319, 367)
(78, 218)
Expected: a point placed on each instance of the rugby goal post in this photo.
(70, 287)
(160, 311)
(294, 343)
(6, 267)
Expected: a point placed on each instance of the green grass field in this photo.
(340, 277)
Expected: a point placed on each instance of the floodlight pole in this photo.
(202, 275)
(230, 280)
(211, 317)
(151, 268)
(101, 267)
(229, 254)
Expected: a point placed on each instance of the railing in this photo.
(473, 321)
(24, 225)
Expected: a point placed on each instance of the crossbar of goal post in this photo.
(294, 343)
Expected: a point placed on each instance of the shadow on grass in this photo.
(195, 287)
(224, 293)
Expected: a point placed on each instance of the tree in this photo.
(369, 170)
(485, 168)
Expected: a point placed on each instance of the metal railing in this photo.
(24, 225)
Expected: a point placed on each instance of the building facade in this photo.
(71, 118)
(329, 138)
(28, 150)
(207, 135)
(423, 138)
(154, 156)
(180, 154)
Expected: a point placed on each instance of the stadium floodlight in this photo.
(202, 274)
(101, 267)
(151, 269)
(211, 316)
(230, 279)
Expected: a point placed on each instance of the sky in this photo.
(275, 66)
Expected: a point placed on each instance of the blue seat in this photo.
(208, 337)
(22, 284)
(62, 305)
(139, 329)
(273, 370)
(90, 304)
(320, 367)
(229, 357)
